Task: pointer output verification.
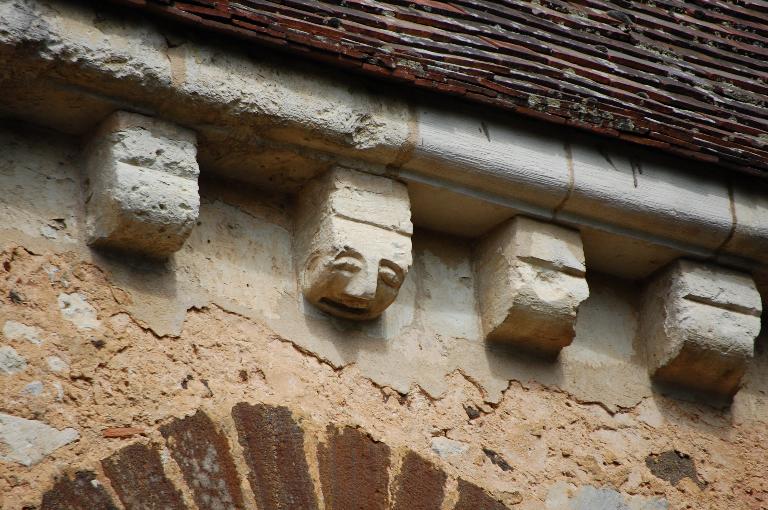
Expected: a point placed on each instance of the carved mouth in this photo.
(341, 307)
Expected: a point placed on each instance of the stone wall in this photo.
(144, 383)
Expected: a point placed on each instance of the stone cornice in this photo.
(70, 72)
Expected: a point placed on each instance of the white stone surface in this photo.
(13, 330)
(56, 364)
(11, 362)
(30, 441)
(698, 324)
(619, 188)
(530, 278)
(78, 311)
(750, 208)
(353, 242)
(142, 192)
(446, 447)
(33, 389)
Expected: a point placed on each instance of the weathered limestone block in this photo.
(699, 323)
(530, 284)
(142, 192)
(30, 441)
(353, 242)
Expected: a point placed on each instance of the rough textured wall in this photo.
(105, 361)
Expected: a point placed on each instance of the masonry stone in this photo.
(33, 389)
(56, 364)
(531, 282)
(11, 362)
(446, 447)
(353, 237)
(142, 192)
(77, 310)
(699, 323)
(13, 330)
(30, 441)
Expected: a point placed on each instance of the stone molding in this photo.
(353, 251)
(698, 324)
(141, 185)
(228, 97)
(530, 278)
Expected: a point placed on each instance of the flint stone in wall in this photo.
(11, 362)
(587, 497)
(13, 330)
(699, 323)
(142, 192)
(530, 285)
(30, 441)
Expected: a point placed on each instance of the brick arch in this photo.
(355, 471)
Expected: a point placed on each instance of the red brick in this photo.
(472, 497)
(202, 452)
(137, 475)
(83, 492)
(419, 485)
(354, 471)
(273, 447)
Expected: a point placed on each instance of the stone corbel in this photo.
(530, 278)
(141, 185)
(353, 242)
(699, 323)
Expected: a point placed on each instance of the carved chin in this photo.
(342, 310)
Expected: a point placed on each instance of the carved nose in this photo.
(362, 288)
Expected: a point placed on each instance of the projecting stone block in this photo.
(353, 242)
(699, 323)
(142, 192)
(530, 285)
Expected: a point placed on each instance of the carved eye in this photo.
(389, 276)
(347, 264)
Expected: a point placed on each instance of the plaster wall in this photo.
(104, 340)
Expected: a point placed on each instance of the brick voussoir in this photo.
(137, 475)
(273, 447)
(356, 471)
(203, 454)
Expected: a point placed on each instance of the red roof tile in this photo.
(687, 77)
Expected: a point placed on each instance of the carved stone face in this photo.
(353, 242)
(355, 270)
